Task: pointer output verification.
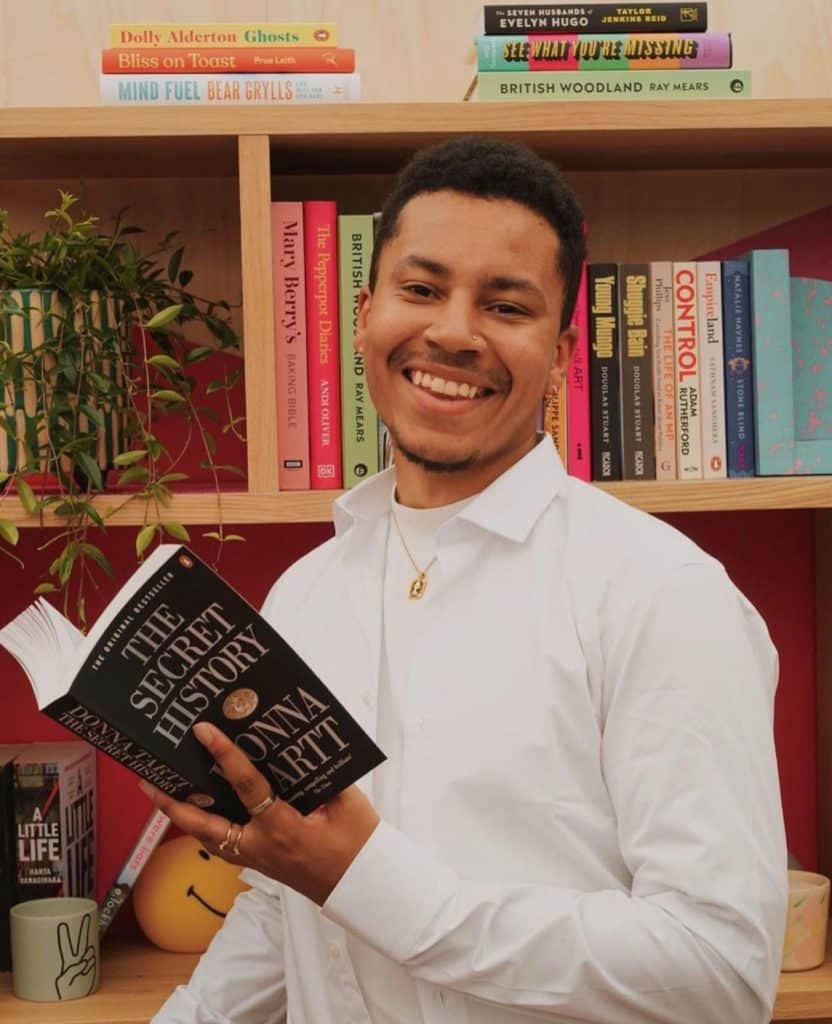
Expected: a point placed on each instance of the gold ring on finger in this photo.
(236, 849)
(224, 844)
(264, 805)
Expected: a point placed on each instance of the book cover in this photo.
(320, 222)
(604, 371)
(711, 368)
(638, 459)
(8, 869)
(176, 646)
(134, 60)
(664, 368)
(602, 17)
(811, 315)
(55, 814)
(221, 33)
(629, 51)
(739, 384)
(578, 435)
(510, 86)
(216, 90)
(359, 420)
(289, 275)
(686, 356)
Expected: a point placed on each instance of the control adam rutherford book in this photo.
(176, 646)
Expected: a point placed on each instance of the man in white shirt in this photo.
(579, 817)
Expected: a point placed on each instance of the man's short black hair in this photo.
(477, 165)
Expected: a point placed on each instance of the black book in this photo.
(8, 868)
(177, 646)
(528, 19)
(604, 371)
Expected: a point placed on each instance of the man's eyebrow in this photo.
(506, 283)
(417, 262)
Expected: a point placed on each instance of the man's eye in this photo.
(422, 290)
(507, 309)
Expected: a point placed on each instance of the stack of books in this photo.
(224, 63)
(605, 51)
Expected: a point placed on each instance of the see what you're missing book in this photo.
(177, 646)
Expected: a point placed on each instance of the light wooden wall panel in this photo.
(407, 49)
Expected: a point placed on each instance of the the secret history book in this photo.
(176, 646)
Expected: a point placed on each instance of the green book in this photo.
(359, 421)
(520, 86)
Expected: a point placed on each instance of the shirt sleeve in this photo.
(688, 759)
(239, 979)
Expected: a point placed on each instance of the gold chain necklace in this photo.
(420, 584)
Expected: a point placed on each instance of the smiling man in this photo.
(579, 817)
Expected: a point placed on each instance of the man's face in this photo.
(462, 333)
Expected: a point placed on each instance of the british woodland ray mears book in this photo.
(177, 646)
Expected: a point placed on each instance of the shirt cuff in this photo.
(391, 893)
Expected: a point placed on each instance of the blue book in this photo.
(739, 383)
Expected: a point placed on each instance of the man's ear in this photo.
(564, 347)
(365, 301)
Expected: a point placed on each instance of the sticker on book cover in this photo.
(200, 800)
(239, 703)
(186, 562)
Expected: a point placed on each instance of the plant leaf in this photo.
(144, 537)
(130, 458)
(163, 317)
(133, 474)
(176, 530)
(90, 468)
(26, 494)
(167, 396)
(9, 532)
(45, 588)
(163, 360)
(98, 556)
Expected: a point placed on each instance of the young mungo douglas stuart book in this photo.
(177, 646)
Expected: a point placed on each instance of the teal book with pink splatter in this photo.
(811, 302)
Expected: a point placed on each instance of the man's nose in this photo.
(456, 326)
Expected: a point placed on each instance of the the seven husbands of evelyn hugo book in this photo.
(176, 646)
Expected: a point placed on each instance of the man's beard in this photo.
(432, 465)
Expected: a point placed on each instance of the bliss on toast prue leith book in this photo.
(177, 646)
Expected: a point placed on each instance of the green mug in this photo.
(55, 951)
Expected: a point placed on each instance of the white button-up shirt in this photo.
(590, 823)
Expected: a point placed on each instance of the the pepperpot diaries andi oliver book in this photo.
(176, 646)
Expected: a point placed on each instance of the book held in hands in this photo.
(176, 646)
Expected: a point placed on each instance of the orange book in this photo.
(129, 60)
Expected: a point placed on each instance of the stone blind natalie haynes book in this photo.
(177, 646)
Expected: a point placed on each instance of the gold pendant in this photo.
(418, 587)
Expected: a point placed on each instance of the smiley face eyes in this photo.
(205, 854)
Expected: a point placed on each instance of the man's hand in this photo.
(309, 854)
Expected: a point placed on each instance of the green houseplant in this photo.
(91, 359)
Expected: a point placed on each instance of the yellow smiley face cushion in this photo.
(183, 894)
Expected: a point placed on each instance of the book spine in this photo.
(686, 348)
(8, 870)
(604, 376)
(204, 60)
(578, 86)
(664, 368)
(289, 270)
(638, 456)
(626, 52)
(359, 421)
(611, 18)
(555, 420)
(712, 369)
(739, 384)
(153, 832)
(321, 246)
(224, 34)
(217, 90)
(771, 360)
(578, 436)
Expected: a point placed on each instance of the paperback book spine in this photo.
(8, 870)
(205, 60)
(578, 435)
(686, 347)
(321, 246)
(712, 368)
(225, 34)
(772, 360)
(605, 382)
(633, 52)
(638, 456)
(152, 833)
(289, 272)
(555, 420)
(359, 422)
(510, 86)
(664, 368)
(501, 19)
(216, 90)
(739, 385)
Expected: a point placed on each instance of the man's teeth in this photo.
(439, 386)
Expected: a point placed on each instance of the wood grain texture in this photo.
(50, 52)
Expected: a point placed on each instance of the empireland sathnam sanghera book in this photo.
(177, 646)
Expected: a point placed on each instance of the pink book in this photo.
(579, 463)
(321, 243)
(290, 346)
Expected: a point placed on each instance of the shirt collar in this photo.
(538, 477)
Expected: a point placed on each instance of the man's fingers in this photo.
(209, 829)
(249, 784)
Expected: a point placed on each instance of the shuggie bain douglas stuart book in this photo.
(176, 646)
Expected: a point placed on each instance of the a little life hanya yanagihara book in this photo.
(176, 646)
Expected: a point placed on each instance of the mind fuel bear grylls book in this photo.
(176, 646)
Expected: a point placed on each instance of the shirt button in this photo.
(334, 951)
